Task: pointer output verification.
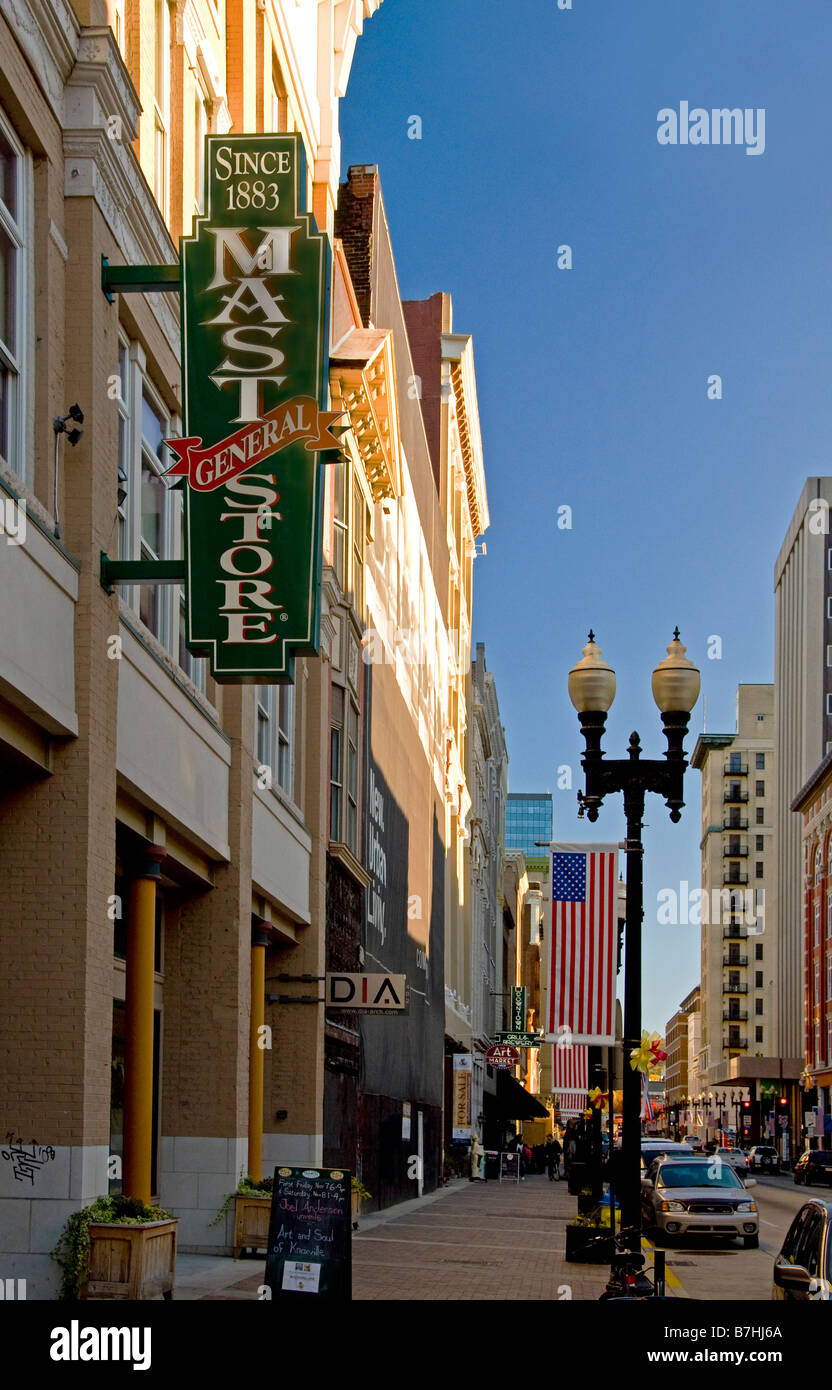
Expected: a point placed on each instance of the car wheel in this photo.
(751, 1242)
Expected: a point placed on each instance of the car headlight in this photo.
(747, 1206)
(671, 1206)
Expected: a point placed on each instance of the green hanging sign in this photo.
(255, 279)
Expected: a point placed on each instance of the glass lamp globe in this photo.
(676, 681)
(591, 680)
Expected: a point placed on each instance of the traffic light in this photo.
(746, 1119)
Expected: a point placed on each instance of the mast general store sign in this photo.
(254, 335)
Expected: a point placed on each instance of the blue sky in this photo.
(539, 129)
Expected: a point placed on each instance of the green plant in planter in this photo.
(72, 1251)
(357, 1186)
(246, 1187)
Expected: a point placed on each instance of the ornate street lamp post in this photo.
(676, 685)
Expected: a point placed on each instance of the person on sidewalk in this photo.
(553, 1153)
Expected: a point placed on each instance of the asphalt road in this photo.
(705, 1268)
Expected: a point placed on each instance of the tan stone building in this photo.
(738, 869)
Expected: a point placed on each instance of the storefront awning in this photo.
(512, 1101)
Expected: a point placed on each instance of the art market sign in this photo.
(254, 350)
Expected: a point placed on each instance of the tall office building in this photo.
(803, 715)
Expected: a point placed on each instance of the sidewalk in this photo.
(468, 1241)
(478, 1241)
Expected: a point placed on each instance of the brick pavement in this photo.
(471, 1241)
(477, 1241)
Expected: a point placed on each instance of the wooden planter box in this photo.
(582, 1247)
(355, 1203)
(251, 1223)
(132, 1262)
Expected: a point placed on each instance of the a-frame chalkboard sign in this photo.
(310, 1233)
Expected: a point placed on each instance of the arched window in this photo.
(818, 864)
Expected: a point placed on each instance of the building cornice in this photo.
(102, 166)
(705, 744)
(47, 32)
(810, 789)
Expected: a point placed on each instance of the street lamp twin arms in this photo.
(676, 684)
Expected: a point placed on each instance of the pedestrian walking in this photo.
(553, 1153)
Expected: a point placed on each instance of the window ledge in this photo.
(345, 856)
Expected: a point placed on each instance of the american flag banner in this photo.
(571, 1071)
(582, 944)
(647, 1112)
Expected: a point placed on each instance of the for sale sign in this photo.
(254, 353)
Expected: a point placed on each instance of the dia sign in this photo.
(254, 352)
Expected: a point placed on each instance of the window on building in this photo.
(275, 736)
(340, 523)
(760, 718)
(13, 308)
(829, 1040)
(817, 923)
(758, 950)
(150, 513)
(124, 389)
(118, 24)
(760, 761)
(359, 520)
(758, 1033)
(817, 1056)
(758, 1005)
(336, 744)
(829, 977)
(760, 815)
(758, 979)
(760, 788)
(200, 131)
(734, 762)
(818, 864)
(161, 106)
(758, 869)
(280, 101)
(816, 991)
(759, 843)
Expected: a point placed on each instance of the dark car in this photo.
(815, 1165)
(802, 1269)
(763, 1159)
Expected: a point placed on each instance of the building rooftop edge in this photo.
(805, 793)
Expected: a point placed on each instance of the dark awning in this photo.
(512, 1101)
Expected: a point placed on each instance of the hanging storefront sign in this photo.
(254, 353)
(463, 1081)
(519, 1009)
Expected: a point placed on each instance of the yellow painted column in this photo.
(259, 942)
(138, 1071)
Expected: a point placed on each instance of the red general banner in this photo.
(298, 419)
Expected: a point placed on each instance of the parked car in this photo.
(656, 1148)
(803, 1269)
(763, 1158)
(815, 1165)
(735, 1157)
(695, 1144)
(687, 1196)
